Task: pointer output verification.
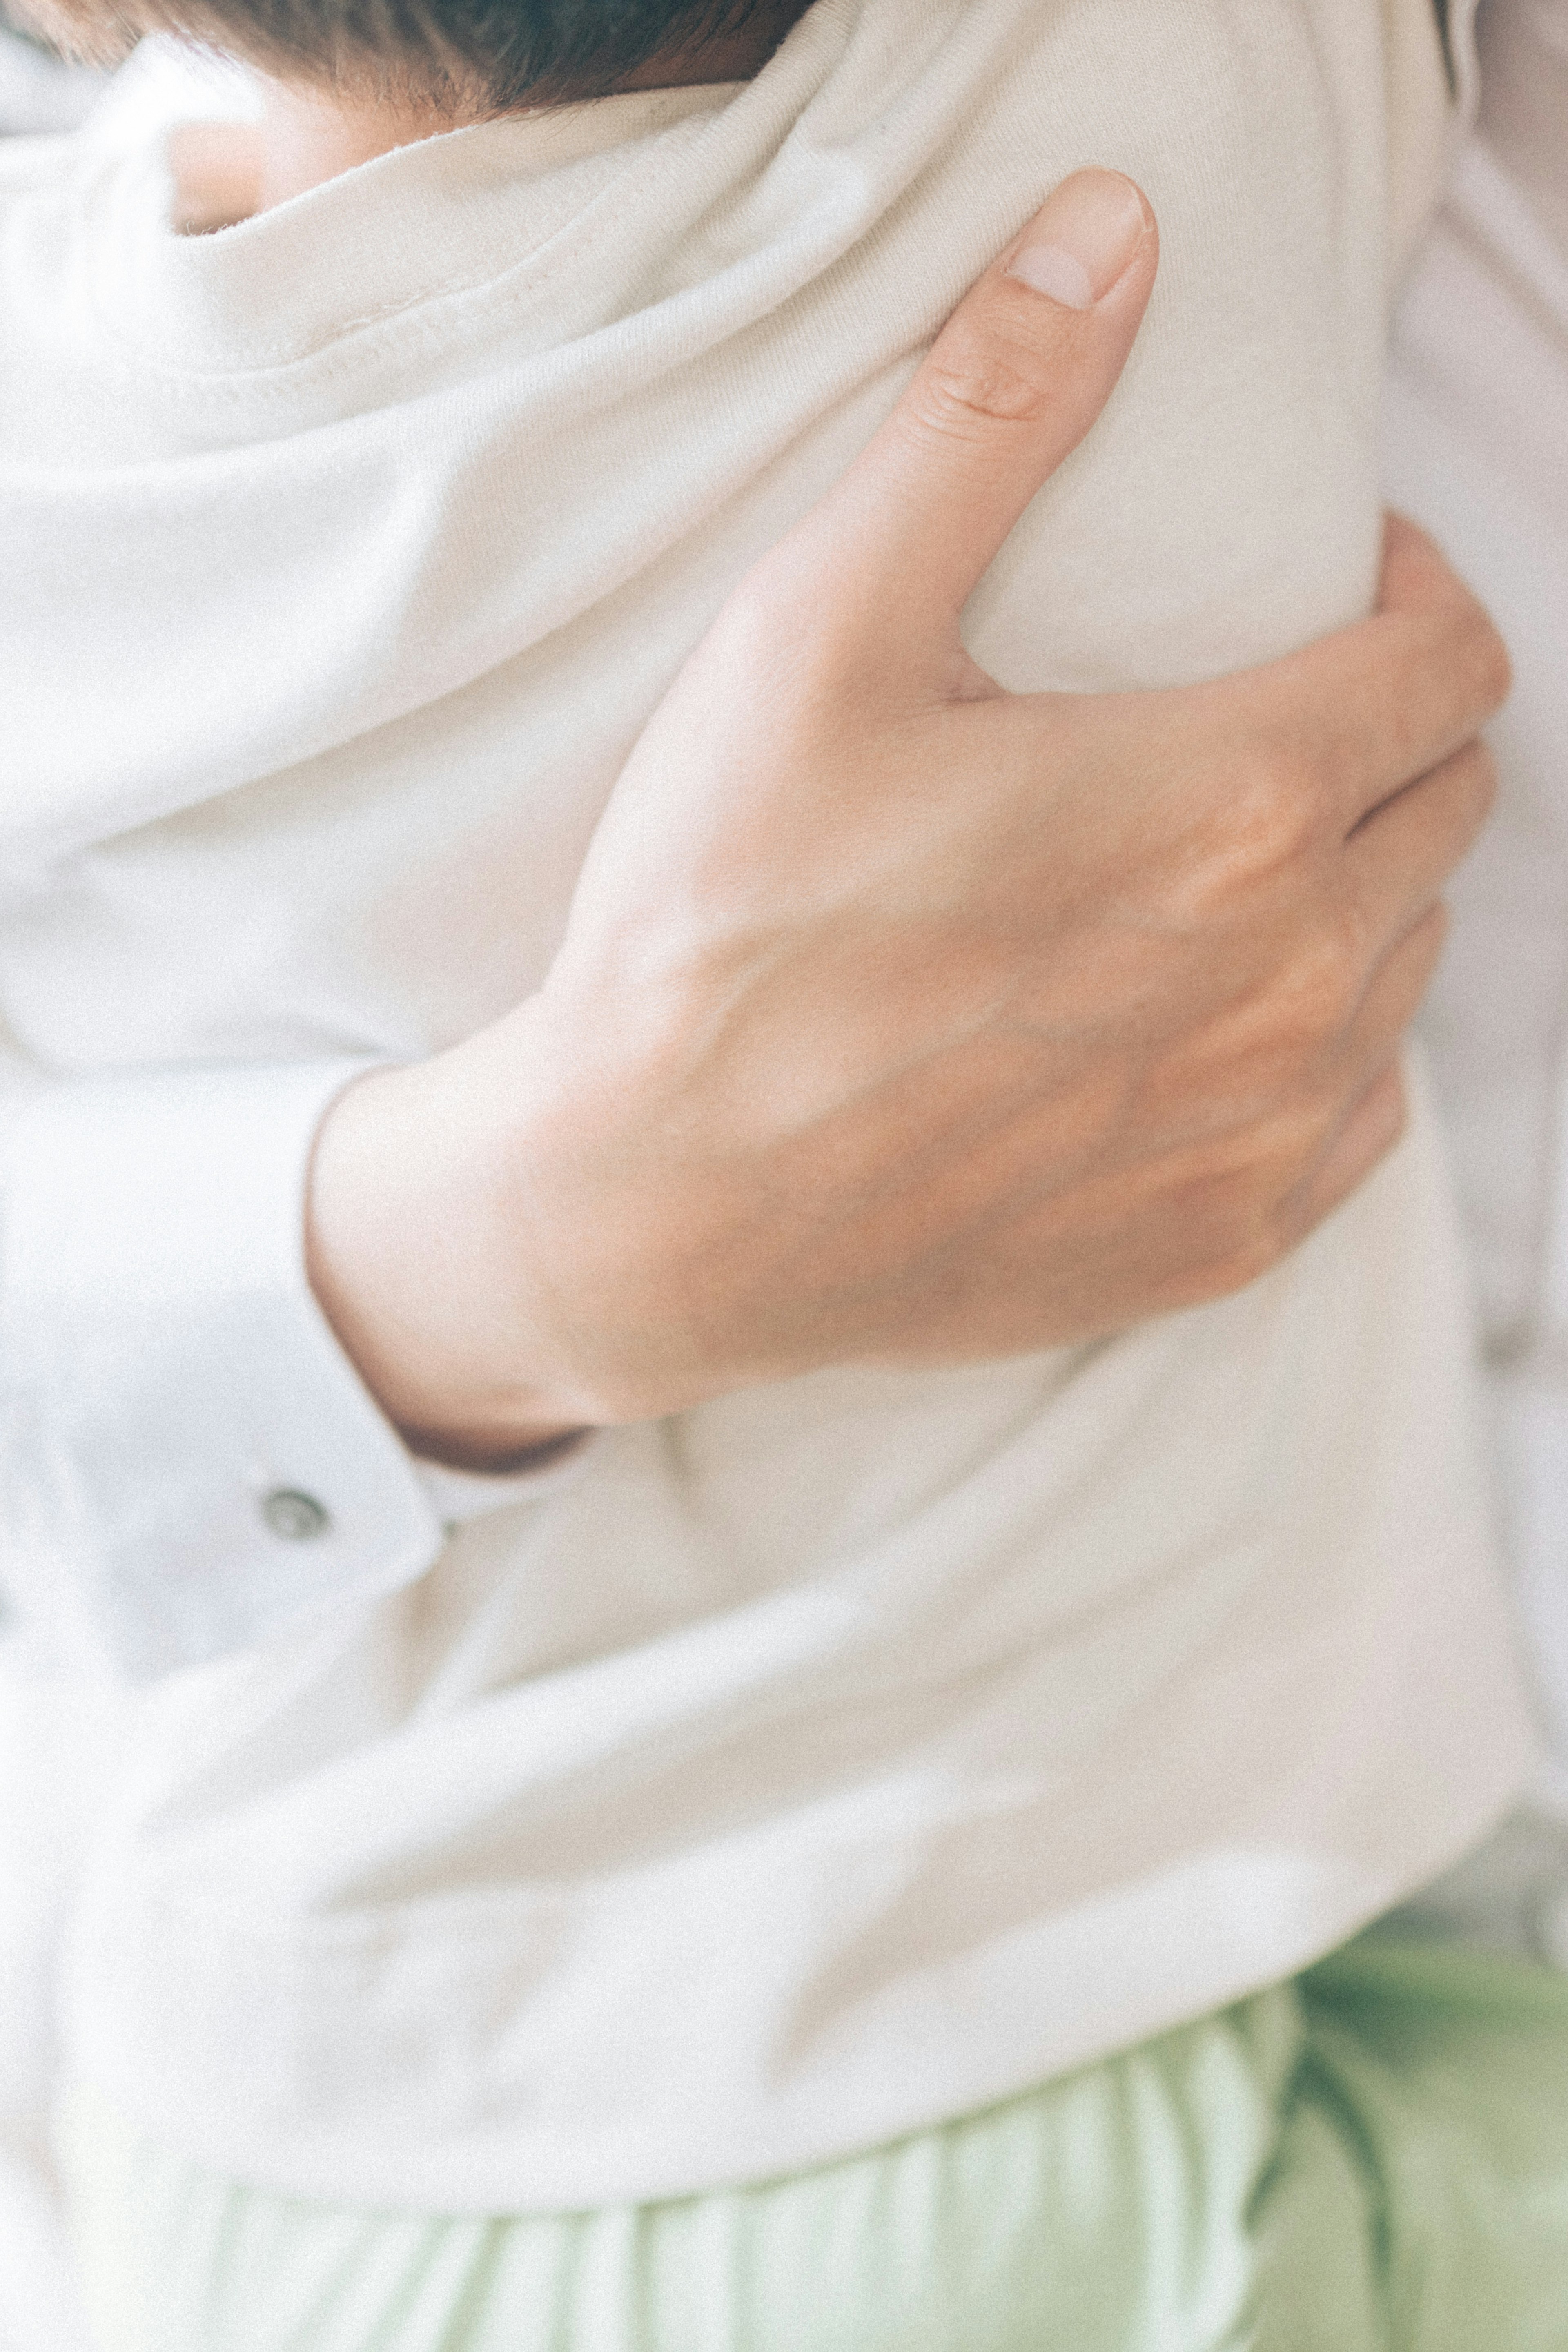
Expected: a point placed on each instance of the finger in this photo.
(1367, 1087)
(1401, 857)
(1373, 1128)
(1369, 710)
(1389, 1003)
(1013, 383)
(1367, 1077)
(1416, 575)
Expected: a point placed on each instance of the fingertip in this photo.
(1401, 535)
(1415, 573)
(1418, 582)
(1016, 378)
(1084, 238)
(1493, 662)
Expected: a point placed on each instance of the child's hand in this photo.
(900, 1018)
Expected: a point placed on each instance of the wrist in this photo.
(422, 1271)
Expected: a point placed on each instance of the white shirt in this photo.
(846, 1754)
(1478, 436)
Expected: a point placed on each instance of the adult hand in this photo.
(900, 1019)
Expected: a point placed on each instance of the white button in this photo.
(293, 1515)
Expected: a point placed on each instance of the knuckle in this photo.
(1321, 983)
(959, 402)
(974, 381)
(1262, 832)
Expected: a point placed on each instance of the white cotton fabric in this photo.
(848, 1753)
(1477, 439)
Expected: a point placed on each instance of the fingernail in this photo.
(1081, 241)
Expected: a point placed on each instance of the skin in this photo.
(310, 133)
(902, 1019)
(898, 1019)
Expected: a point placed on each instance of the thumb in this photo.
(1010, 387)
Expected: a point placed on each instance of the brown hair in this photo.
(472, 57)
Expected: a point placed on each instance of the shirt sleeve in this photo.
(189, 1462)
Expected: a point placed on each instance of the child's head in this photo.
(462, 58)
